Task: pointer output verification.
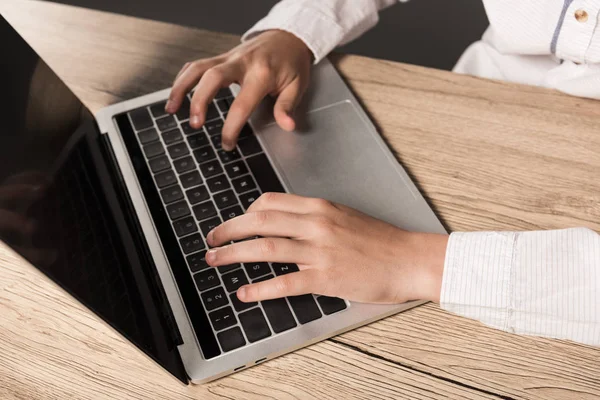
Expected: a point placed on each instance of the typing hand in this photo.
(274, 62)
(340, 252)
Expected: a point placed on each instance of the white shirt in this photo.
(537, 283)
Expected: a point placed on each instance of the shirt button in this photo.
(581, 15)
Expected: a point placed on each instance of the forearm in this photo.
(535, 283)
(322, 24)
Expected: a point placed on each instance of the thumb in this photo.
(285, 104)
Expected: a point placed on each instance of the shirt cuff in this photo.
(304, 23)
(477, 278)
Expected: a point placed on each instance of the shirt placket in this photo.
(577, 30)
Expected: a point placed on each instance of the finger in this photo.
(294, 284)
(18, 194)
(291, 203)
(258, 250)
(12, 223)
(252, 93)
(186, 81)
(285, 105)
(213, 79)
(181, 71)
(262, 223)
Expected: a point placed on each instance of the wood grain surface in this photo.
(487, 155)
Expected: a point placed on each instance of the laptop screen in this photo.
(59, 208)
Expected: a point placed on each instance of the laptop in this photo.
(115, 208)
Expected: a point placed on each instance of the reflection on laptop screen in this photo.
(54, 208)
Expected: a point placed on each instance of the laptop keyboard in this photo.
(201, 185)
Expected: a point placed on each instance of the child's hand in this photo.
(340, 252)
(275, 62)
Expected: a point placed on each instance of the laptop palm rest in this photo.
(335, 154)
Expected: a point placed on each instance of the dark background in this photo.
(432, 33)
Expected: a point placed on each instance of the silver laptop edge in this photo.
(328, 92)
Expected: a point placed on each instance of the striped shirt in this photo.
(543, 283)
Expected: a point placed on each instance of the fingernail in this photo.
(211, 255)
(241, 293)
(209, 237)
(227, 146)
(195, 120)
(168, 106)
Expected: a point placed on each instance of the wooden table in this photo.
(487, 155)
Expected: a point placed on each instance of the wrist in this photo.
(429, 255)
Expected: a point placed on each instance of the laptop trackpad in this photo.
(334, 155)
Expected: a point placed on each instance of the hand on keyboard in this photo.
(339, 252)
(274, 62)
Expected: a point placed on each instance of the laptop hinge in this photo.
(154, 283)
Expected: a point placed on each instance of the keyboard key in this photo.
(178, 210)
(223, 318)
(209, 225)
(178, 150)
(159, 164)
(264, 174)
(249, 146)
(246, 132)
(231, 339)
(223, 92)
(231, 212)
(147, 136)
(305, 307)
(214, 127)
(243, 184)
(279, 315)
(171, 194)
(256, 269)
(234, 280)
(207, 279)
(204, 154)
(248, 198)
(190, 179)
(197, 261)
(236, 169)
(330, 305)
(158, 109)
(228, 156)
(197, 194)
(218, 183)
(225, 199)
(204, 210)
(212, 112)
(282, 269)
(211, 168)
(192, 243)
(238, 304)
(224, 104)
(263, 278)
(223, 269)
(166, 178)
(214, 298)
(172, 136)
(185, 226)
(154, 149)
(254, 325)
(198, 140)
(188, 130)
(141, 118)
(184, 164)
(216, 141)
(166, 123)
(184, 109)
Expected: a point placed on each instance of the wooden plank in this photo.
(54, 348)
(487, 155)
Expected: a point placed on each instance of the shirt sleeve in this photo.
(322, 24)
(544, 283)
